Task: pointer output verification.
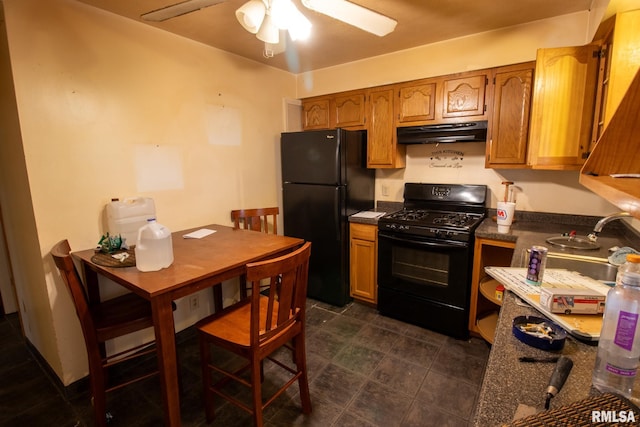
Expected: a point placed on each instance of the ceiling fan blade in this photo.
(178, 9)
(353, 14)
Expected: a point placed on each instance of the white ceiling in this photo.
(333, 42)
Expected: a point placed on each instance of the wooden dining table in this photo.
(198, 263)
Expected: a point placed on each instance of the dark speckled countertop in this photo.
(509, 382)
(386, 207)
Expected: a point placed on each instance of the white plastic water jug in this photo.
(125, 217)
(154, 248)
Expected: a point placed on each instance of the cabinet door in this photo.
(563, 106)
(315, 113)
(363, 262)
(382, 147)
(510, 116)
(416, 103)
(464, 96)
(349, 111)
(625, 59)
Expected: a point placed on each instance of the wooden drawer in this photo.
(364, 232)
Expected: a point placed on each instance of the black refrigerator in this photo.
(324, 180)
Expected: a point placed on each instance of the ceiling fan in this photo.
(343, 10)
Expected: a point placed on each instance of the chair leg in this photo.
(205, 359)
(243, 287)
(256, 388)
(97, 380)
(301, 364)
(217, 297)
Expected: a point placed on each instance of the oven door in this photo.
(424, 268)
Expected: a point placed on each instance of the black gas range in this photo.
(438, 211)
(425, 255)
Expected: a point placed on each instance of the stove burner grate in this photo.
(454, 220)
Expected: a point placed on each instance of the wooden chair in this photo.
(248, 219)
(256, 219)
(101, 322)
(255, 328)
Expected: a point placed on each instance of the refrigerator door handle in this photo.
(338, 212)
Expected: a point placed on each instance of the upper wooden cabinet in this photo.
(416, 102)
(618, 152)
(315, 113)
(620, 61)
(462, 96)
(509, 124)
(342, 110)
(348, 110)
(383, 150)
(465, 96)
(563, 106)
(618, 149)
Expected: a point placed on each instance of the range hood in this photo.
(441, 133)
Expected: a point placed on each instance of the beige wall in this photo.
(483, 50)
(9, 140)
(543, 191)
(109, 108)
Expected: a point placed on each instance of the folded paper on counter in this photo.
(368, 214)
(199, 234)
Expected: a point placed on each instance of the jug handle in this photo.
(138, 244)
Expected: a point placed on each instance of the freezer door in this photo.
(315, 213)
(311, 157)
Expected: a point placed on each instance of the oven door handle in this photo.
(447, 245)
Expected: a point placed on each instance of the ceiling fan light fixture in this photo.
(268, 31)
(353, 14)
(288, 17)
(300, 29)
(281, 11)
(251, 15)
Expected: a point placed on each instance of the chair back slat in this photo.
(64, 262)
(256, 219)
(273, 281)
(286, 303)
(288, 276)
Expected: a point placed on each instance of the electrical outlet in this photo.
(194, 302)
(385, 190)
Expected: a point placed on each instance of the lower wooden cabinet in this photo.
(484, 307)
(364, 262)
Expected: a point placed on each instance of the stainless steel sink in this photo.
(573, 242)
(594, 267)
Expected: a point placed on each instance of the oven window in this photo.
(420, 267)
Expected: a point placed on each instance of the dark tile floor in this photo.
(365, 370)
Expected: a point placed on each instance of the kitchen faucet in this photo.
(593, 236)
